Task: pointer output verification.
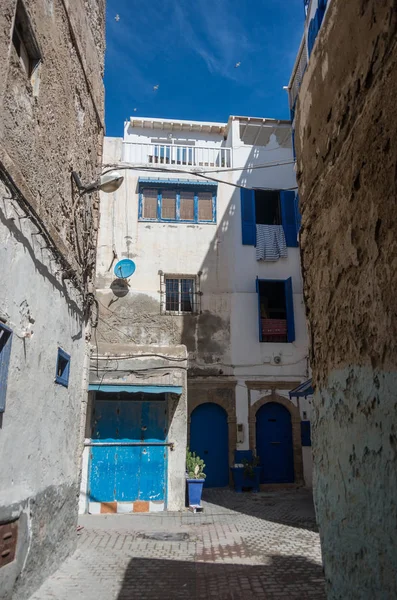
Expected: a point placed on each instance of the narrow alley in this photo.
(241, 546)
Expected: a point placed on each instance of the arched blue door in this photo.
(209, 439)
(274, 443)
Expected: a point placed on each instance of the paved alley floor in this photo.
(242, 546)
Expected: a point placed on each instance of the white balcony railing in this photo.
(170, 154)
(297, 74)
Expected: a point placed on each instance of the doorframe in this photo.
(296, 430)
(222, 394)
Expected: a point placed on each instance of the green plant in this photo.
(249, 466)
(194, 466)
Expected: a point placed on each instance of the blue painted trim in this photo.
(5, 354)
(178, 206)
(64, 378)
(289, 305)
(248, 218)
(303, 390)
(259, 310)
(178, 219)
(149, 181)
(133, 389)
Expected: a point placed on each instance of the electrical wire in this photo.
(122, 167)
(127, 357)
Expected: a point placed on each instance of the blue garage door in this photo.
(209, 439)
(128, 473)
(274, 443)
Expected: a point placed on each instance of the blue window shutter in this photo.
(319, 17)
(259, 310)
(289, 303)
(312, 33)
(5, 353)
(248, 225)
(287, 200)
(298, 216)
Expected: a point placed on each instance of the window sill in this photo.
(62, 381)
(178, 313)
(176, 222)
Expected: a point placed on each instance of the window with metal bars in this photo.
(180, 294)
(177, 205)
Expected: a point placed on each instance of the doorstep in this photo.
(125, 508)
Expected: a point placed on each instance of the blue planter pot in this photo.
(195, 490)
(241, 481)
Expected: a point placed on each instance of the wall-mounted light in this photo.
(109, 182)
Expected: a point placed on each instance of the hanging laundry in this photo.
(270, 242)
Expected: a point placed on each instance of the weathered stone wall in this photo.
(56, 125)
(346, 127)
(50, 124)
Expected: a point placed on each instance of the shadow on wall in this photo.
(281, 577)
(136, 318)
(208, 336)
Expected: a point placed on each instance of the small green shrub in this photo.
(249, 466)
(194, 466)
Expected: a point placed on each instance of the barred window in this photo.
(180, 294)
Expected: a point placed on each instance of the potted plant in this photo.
(247, 473)
(195, 477)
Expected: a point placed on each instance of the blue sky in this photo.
(189, 48)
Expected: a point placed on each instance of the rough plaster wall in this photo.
(136, 318)
(46, 130)
(46, 135)
(346, 129)
(39, 428)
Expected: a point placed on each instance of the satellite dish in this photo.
(124, 268)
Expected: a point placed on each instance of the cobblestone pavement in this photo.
(242, 546)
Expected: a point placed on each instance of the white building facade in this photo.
(200, 203)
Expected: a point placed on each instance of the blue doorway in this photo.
(274, 443)
(210, 440)
(128, 456)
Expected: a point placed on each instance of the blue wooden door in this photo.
(209, 439)
(274, 443)
(128, 473)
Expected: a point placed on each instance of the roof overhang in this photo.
(134, 389)
(303, 390)
(178, 125)
(154, 182)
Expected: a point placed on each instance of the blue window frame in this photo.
(275, 310)
(177, 201)
(63, 368)
(279, 206)
(5, 353)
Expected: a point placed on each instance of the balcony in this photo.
(297, 74)
(179, 155)
(274, 330)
